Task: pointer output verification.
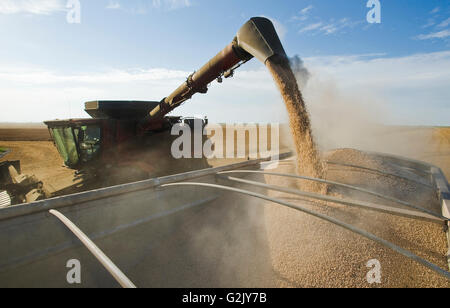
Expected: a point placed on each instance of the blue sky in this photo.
(142, 49)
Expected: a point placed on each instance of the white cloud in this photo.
(46, 77)
(171, 4)
(407, 86)
(435, 35)
(144, 6)
(445, 23)
(303, 14)
(435, 10)
(376, 70)
(431, 22)
(330, 27)
(39, 7)
(317, 25)
(38, 94)
(412, 90)
(306, 9)
(438, 29)
(113, 5)
(310, 27)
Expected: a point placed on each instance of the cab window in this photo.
(88, 139)
(65, 143)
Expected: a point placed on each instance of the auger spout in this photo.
(256, 38)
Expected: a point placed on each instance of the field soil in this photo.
(24, 132)
(40, 158)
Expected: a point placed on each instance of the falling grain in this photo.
(308, 161)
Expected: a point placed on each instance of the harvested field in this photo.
(40, 158)
(439, 154)
(24, 134)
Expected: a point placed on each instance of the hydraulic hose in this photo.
(118, 275)
(407, 204)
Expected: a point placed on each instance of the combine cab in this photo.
(82, 141)
(111, 146)
(77, 141)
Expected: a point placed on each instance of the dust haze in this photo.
(354, 118)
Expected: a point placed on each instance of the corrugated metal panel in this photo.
(5, 200)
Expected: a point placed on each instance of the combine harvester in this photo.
(17, 188)
(129, 219)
